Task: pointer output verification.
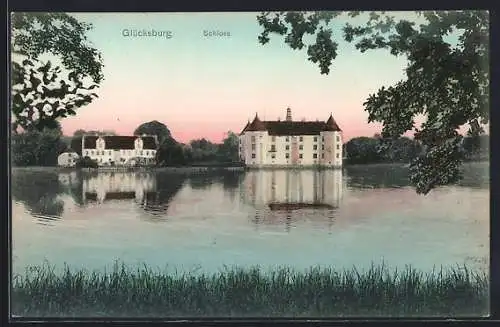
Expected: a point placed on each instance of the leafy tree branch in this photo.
(446, 83)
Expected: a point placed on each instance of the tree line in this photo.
(35, 147)
(196, 152)
(41, 148)
(376, 149)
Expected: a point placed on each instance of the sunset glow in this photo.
(203, 85)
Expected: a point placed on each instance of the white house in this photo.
(67, 159)
(291, 143)
(117, 150)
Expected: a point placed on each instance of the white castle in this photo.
(291, 143)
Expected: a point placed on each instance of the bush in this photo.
(86, 162)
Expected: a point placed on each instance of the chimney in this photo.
(288, 114)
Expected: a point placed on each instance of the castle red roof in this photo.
(278, 128)
(283, 128)
(256, 125)
(245, 128)
(332, 124)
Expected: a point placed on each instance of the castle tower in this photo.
(288, 114)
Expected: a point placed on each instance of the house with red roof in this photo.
(291, 143)
(117, 150)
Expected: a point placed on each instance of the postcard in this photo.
(250, 164)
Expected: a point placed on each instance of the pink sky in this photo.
(203, 87)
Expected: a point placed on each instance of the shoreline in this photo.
(215, 167)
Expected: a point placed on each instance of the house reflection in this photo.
(152, 191)
(287, 196)
(108, 186)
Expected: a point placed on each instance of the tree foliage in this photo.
(43, 92)
(154, 128)
(203, 150)
(368, 150)
(37, 148)
(197, 152)
(228, 149)
(81, 132)
(445, 82)
(86, 162)
(361, 150)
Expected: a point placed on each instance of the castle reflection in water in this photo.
(294, 189)
(273, 194)
(284, 197)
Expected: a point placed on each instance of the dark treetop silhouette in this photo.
(40, 95)
(447, 83)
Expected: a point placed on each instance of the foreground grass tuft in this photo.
(144, 292)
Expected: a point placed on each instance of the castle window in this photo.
(273, 156)
(109, 152)
(322, 139)
(315, 139)
(253, 138)
(273, 139)
(301, 139)
(287, 139)
(287, 147)
(338, 146)
(337, 155)
(338, 138)
(322, 156)
(301, 147)
(315, 147)
(322, 147)
(315, 155)
(287, 155)
(273, 148)
(92, 152)
(300, 156)
(253, 155)
(253, 146)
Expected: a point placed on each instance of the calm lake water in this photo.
(208, 220)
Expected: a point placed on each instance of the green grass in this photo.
(145, 292)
